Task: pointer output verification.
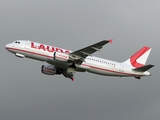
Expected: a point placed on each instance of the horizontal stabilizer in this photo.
(143, 68)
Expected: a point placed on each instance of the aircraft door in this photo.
(27, 44)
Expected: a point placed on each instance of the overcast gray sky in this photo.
(26, 94)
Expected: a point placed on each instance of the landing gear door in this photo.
(27, 44)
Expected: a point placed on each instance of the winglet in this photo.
(110, 40)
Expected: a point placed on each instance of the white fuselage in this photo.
(91, 64)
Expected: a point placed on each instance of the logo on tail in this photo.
(139, 58)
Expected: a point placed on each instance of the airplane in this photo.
(66, 62)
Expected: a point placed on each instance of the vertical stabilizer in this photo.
(139, 58)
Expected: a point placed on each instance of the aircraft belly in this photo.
(81, 68)
(58, 64)
(102, 72)
(36, 57)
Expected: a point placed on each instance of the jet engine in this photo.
(49, 70)
(61, 57)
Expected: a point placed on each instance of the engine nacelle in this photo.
(61, 57)
(48, 69)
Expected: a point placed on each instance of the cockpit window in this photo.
(17, 42)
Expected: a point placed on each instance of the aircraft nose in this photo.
(7, 46)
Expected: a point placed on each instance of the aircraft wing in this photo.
(79, 55)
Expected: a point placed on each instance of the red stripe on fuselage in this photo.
(30, 52)
(82, 64)
(110, 70)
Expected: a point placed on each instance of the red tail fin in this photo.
(139, 58)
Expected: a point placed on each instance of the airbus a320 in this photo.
(66, 62)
